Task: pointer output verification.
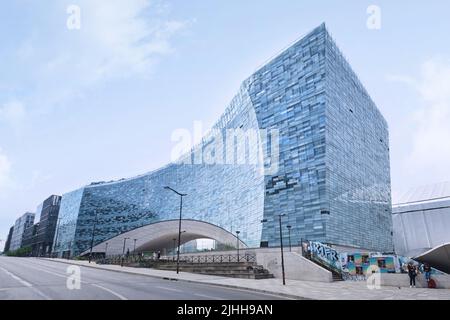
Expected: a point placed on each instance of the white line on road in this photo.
(94, 285)
(208, 297)
(25, 283)
(121, 297)
(12, 275)
(169, 289)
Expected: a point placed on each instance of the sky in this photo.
(100, 102)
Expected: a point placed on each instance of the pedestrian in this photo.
(427, 270)
(159, 255)
(412, 273)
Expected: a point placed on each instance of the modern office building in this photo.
(47, 225)
(22, 223)
(8, 240)
(421, 220)
(40, 235)
(29, 238)
(301, 139)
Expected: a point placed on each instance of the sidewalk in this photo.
(343, 290)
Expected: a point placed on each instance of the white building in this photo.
(422, 220)
(21, 224)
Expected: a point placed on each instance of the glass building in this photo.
(302, 139)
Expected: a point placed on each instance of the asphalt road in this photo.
(36, 279)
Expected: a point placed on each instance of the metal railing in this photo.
(191, 259)
(219, 258)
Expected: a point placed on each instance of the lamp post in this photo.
(123, 250)
(289, 232)
(93, 234)
(106, 249)
(237, 235)
(179, 224)
(134, 247)
(281, 247)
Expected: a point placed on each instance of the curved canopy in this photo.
(438, 257)
(161, 235)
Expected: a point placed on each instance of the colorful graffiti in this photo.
(352, 263)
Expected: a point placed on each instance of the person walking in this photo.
(412, 273)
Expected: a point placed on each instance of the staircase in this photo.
(244, 270)
(336, 274)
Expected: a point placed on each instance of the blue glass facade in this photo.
(331, 176)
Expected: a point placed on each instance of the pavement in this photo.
(342, 290)
(47, 279)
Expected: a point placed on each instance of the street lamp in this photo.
(179, 224)
(123, 250)
(93, 234)
(237, 235)
(289, 232)
(281, 247)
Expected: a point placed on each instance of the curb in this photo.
(284, 295)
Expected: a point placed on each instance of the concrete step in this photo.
(233, 270)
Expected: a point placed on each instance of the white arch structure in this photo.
(160, 235)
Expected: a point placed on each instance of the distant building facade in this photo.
(40, 235)
(22, 223)
(422, 220)
(8, 240)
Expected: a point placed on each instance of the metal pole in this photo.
(93, 234)
(179, 224)
(134, 248)
(282, 254)
(106, 249)
(237, 234)
(179, 235)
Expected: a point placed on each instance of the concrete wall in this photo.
(402, 280)
(296, 266)
(420, 227)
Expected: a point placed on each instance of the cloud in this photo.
(429, 156)
(5, 167)
(401, 79)
(117, 40)
(13, 113)
(123, 39)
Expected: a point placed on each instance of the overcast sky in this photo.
(101, 102)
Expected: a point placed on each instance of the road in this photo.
(37, 279)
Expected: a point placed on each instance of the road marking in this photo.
(208, 297)
(169, 289)
(25, 283)
(121, 297)
(94, 285)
